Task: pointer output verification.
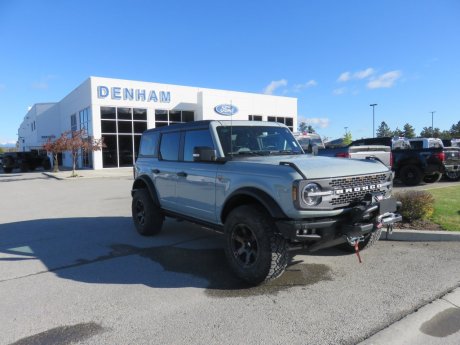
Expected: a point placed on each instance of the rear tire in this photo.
(436, 177)
(147, 216)
(410, 175)
(255, 251)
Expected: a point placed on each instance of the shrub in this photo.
(416, 205)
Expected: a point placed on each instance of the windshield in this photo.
(257, 140)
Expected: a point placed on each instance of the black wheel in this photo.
(254, 251)
(369, 241)
(436, 177)
(410, 175)
(452, 175)
(147, 216)
(7, 170)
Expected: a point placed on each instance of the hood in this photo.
(314, 167)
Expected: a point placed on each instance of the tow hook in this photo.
(354, 241)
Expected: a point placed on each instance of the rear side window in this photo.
(194, 139)
(169, 146)
(149, 143)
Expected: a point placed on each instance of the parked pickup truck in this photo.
(24, 161)
(251, 181)
(358, 150)
(452, 162)
(412, 165)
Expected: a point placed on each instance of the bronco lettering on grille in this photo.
(357, 189)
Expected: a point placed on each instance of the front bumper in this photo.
(361, 220)
(452, 168)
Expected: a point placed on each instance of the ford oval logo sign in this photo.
(226, 109)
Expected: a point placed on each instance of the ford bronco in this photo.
(251, 181)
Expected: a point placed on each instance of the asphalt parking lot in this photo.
(74, 271)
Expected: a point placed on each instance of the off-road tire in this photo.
(436, 177)
(7, 170)
(452, 175)
(410, 175)
(369, 241)
(255, 251)
(147, 216)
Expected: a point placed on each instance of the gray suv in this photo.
(251, 181)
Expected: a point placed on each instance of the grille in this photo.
(359, 181)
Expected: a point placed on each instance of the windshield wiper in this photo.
(285, 152)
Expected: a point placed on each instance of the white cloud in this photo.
(385, 80)
(345, 76)
(359, 75)
(339, 91)
(270, 88)
(7, 142)
(315, 122)
(308, 84)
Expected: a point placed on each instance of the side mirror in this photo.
(204, 154)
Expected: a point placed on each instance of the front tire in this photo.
(255, 251)
(147, 216)
(452, 175)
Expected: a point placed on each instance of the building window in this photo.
(121, 129)
(73, 122)
(85, 120)
(255, 117)
(169, 117)
(288, 121)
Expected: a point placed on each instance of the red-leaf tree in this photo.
(77, 142)
(55, 147)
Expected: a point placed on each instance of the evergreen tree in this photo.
(347, 138)
(384, 130)
(398, 133)
(455, 130)
(428, 133)
(303, 127)
(409, 131)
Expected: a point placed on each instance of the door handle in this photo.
(155, 171)
(182, 174)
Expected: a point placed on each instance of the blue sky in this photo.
(336, 57)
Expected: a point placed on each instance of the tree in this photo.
(347, 138)
(303, 127)
(77, 142)
(455, 130)
(409, 131)
(398, 133)
(428, 133)
(1, 150)
(55, 147)
(384, 130)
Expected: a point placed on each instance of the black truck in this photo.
(411, 165)
(25, 161)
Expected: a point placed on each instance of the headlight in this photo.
(310, 194)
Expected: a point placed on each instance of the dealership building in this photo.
(120, 110)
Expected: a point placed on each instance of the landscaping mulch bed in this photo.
(419, 225)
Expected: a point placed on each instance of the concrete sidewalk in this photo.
(436, 323)
(83, 173)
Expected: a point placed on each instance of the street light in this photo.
(432, 127)
(373, 119)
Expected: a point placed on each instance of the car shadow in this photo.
(107, 250)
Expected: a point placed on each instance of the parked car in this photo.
(452, 162)
(251, 181)
(310, 142)
(412, 165)
(25, 161)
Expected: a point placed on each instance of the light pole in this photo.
(373, 119)
(432, 127)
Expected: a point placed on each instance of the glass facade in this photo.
(121, 129)
(168, 117)
(288, 121)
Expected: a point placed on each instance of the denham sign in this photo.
(130, 94)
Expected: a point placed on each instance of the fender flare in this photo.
(143, 182)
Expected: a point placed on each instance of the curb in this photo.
(420, 235)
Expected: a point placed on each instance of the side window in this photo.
(149, 143)
(196, 138)
(169, 146)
